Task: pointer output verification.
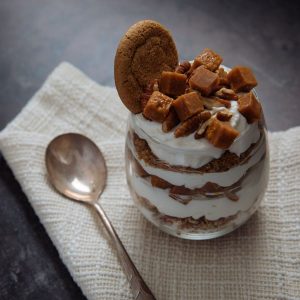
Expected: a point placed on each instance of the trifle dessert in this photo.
(196, 148)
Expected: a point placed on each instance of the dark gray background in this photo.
(35, 36)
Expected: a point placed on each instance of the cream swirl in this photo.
(187, 151)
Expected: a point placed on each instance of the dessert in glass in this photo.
(197, 155)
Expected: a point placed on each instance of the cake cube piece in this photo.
(241, 79)
(172, 83)
(249, 107)
(188, 105)
(209, 59)
(204, 81)
(220, 134)
(171, 121)
(148, 90)
(160, 183)
(157, 107)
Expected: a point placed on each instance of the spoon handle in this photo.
(138, 286)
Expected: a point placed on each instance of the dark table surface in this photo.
(35, 36)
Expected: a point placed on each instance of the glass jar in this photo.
(190, 193)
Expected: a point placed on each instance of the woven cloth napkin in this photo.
(260, 260)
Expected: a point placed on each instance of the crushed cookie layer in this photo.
(188, 223)
(222, 164)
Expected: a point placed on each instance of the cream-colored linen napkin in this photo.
(261, 260)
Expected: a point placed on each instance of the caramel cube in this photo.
(172, 83)
(241, 79)
(160, 183)
(157, 107)
(204, 81)
(220, 134)
(188, 105)
(249, 107)
(171, 121)
(209, 59)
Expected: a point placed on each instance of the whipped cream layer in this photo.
(187, 151)
(197, 180)
(252, 187)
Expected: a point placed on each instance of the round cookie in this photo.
(143, 53)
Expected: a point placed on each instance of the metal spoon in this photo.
(76, 168)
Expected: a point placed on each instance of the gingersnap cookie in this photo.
(143, 53)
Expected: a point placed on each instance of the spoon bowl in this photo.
(76, 167)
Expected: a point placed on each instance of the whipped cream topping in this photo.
(187, 151)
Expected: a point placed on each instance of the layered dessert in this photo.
(196, 152)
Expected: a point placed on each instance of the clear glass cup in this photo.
(195, 203)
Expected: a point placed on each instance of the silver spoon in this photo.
(76, 168)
